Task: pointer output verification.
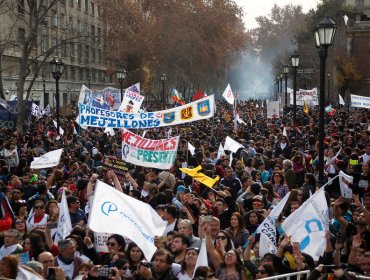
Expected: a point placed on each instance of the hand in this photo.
(87, 241)
(285, 242)
(356, 201)
(222, 193)
(328, 235)
(116, 274)
(319, 268)
(59, 273)
(145, 272)
(94, 271)
(357, 241)
(251, 240)
(94, 177)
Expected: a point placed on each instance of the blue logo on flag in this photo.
(168, 117)
(204, 108)
(108, 207)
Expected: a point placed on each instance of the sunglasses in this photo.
(111, 244)
(221, 237)
(126, 268)
(39, 207)
(261, 271)
(19, 223)
(17, 192)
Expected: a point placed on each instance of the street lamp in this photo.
(324, 35)
(57, 71)
(276, 80)
(163, 79)
(121, 75)
(43, 87)
(286, 71)
(281, 76)
(294, 61)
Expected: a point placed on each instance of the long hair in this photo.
(239, 264)
(183, 263)
(229, 244)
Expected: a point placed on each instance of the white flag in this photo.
(115, 212)
(109, 131)
(169, 133)
(202, 259)
(239, 120)
(268, 230)
(61, 131)
(309, 224)
(35, 110)
(46, 111)
(144, 132)
(220, 151)
(228, 95)
(231, 159)
(191, 149)
(232, 145)
(341, 101)
(64, 221)
(344, 180)
(49, 159)
(24, 273)
(284, 132)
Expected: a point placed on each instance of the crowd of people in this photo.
(253, 180)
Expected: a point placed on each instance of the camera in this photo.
(106, 272)
(207, 218)
(147, 264)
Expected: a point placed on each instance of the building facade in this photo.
(74, 32)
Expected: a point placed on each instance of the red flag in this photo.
(6, 214)
(198, 95)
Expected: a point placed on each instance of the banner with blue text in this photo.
(195, 111)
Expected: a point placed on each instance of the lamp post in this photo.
(57, 71)
(281, 75)
(163, 79)
(324, 35)
(43, 87)
(286, 71)
(276, 84)
(329, 81)
(121, 75)
(294, 61)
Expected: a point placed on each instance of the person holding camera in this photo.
(159, 269)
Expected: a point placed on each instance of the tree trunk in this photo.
(2, 95)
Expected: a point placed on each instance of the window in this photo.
(92, 8)
(73, 73)
(81, 74)
(93, 55)
(64, 48)
(72, 49)
(71, 2)
(66, 72)
(99, 34)
(79, 4)
(99, 55)
(86, 6)
(54, 18)
(62, 21)
(92, 31)
(45, 43)
(21, 35)
(71, 22)
(87, 54)
(44, 15)
(99, 12)
(359, 3)
(93, 78)
(21, 7)
(63, 2)
(78, 27)
(79, 53)
(54, 46)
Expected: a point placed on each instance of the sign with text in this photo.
(131, 102)
(98, 117)
(360, 101)
(108, 98)
(159, 154)
(118, 166)
(309, 96)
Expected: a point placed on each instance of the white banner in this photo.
(309, 224)
(360, 101)
(145, 152)
(115, 212)
(268, 229)
(49, 159)
(131, 102)
(97, 117)
(273, 111)
(64, 221)
(108, 98)
(310, 96)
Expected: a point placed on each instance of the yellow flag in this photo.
(305, 107)
(191, 172)
(200, 177)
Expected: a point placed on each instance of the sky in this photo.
(255, 8)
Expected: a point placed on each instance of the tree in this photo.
(190, 40)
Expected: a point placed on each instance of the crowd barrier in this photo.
(304, 272)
